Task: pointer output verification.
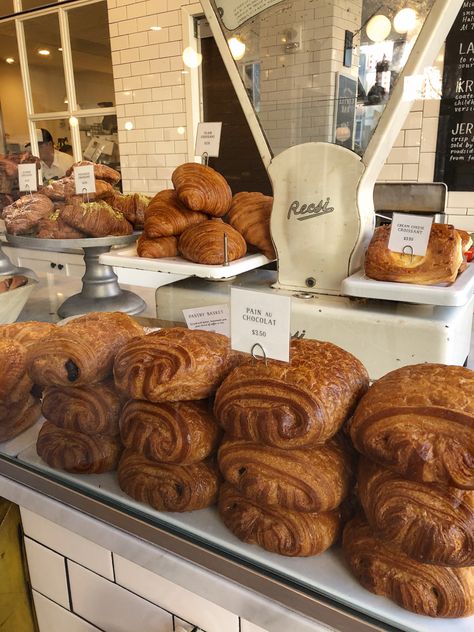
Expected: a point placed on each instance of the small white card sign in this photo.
(208, 139)
(84, 179)
(260, 321)
(410, 234)
(27, 177)
(210, 318)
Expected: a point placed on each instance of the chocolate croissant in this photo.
(96, 219)
(82, 351)
(168, 487)
(205, 243)
(181, 432)
(18, 417)
(426, 589)
(249, 214)
(440, 264)
(157, 248)
(77, 452)
(419, 422)
(201, 188)
(291, 533)
(304, 479)
(292, 405)
(12, 369)
(173, 365)
(28, 332)
(430, 523)
(166, 216)
(90, 409)
(101, 172)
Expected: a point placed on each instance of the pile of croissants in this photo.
(57, 212)
(188, 220)
(188, 423)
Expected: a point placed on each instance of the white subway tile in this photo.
(456, 211)
(161, 94)
(160, 65)
(170, 49)
(155, 107)
(460, 199)
(410, 173)
(128, 55)
(136, 10)
(403, 155)
(67, 543)
(140, 67)
(138, 39)
(159, 37)
(117, 15)
(119, 43)
(53, 583)
(429, 134)
(142, 96)
(111, 607)
(412, 137)
(173, 106)
(390, 173)
(131, 83)
(426, 168)
(53, 618)
(174, 598)
(129, 26)
(122, 70)
(151, 80)
(400, 140)
(465, 222)
(413, 120)
(431, 108)
(164, 147)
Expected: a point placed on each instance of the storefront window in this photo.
(13, 122)
(91, 57)
(99, 139)
(45, 63)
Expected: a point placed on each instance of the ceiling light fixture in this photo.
(191, 58)
(73, 122)
(155, 28)
(44, 51)
(10, 60)
(405, 20)
(378, 28)
(237, 48)
(128, 125)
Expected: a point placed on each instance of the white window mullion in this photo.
(69, 78)
(25, 77)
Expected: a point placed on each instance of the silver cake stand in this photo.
(100, 289)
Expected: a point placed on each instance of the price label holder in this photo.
(27, 177)
(209, 318)
(84, 179)
(260, 323)
(410, 234)
(208, 139)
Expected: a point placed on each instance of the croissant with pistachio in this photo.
(96, 219)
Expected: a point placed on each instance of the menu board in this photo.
(455, 145)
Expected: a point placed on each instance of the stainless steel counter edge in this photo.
(194, 567)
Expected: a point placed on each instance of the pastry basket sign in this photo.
(323, 181)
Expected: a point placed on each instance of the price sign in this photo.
(262, 319)
(210, 318)
(27, 177)
(208, 139)
(410, 234)
(84, 179)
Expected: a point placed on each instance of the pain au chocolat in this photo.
(18, 417)
(77, 452)
(82, 351)
(168, 487)
(440, 264)
(310, 479)
(431, 523)
(202, 188)
(28, 332)
(419, 422)
(166, 215)
(170, 432)
(90, 409)
(296, 404)
(14, 381)
(175, 364)
(291, 533)
(427, 589)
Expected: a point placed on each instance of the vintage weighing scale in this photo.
(323, 213)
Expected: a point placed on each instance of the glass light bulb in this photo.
(378, 28)
(237, 48)
(128, 125)
(405, 20)
(191, 58)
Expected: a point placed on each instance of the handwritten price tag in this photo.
(410, 234)
(210, 318)
(208, 139)
(27, 177)
(263, 319)
(84, 179)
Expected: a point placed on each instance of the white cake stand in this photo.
(100, 289)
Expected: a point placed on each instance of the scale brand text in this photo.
(308, 211)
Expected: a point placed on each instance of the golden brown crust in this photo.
(291, 533)
(201, 188)
(439, 265)
(14, 383)
(166, 216)
(292, 405)
(20, 416)
(180, 432)
(96, 219)
(77, 452)
(133, 206)
(204, 243)
(168, 487)
(157, 248)
(82, 351)
(173, 365)
(65, 189)
(430, 523)
(101, 172)
(312, 479)
(90, 409)
(419, 422)
(28, 332)
(425, 589)
(12, 283)
(54, 227)
(250, 214)
(22, 217)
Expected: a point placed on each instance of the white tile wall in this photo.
(72, 546)
(111, 607)
(53, 618)
(51, 583)
(180, 601)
